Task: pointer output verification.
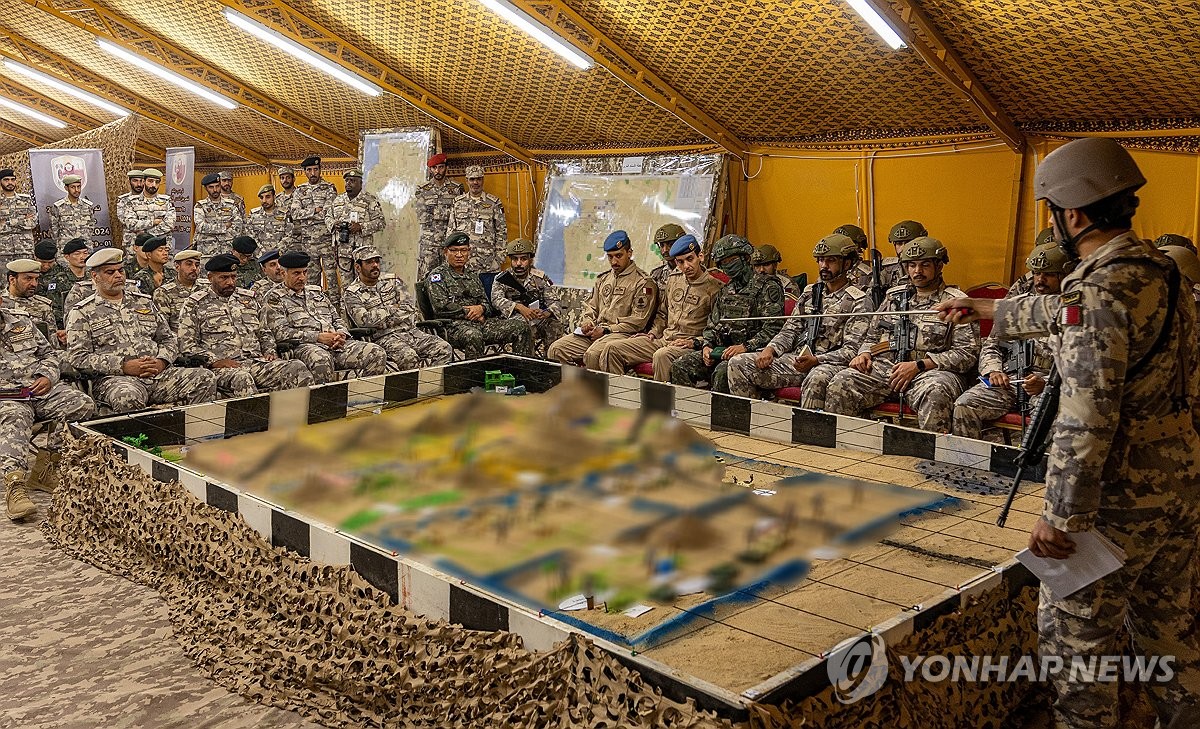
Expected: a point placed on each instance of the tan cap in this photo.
(187, 255)
(105, 256)
(266, 188)
(473, 172)
(153, 173)
(135, 173)
(352, 172)
(366, 253)
(71, 179)
(24, 265)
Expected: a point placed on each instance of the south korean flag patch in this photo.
(435, 278)
(1071, 313)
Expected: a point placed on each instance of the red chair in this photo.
(788, 394)
(890, 410)
(645, 369)
(989, 290)
(789, 305)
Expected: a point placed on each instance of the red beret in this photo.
(437, 159)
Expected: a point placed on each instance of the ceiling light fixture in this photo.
(65, 87)
(170, 76)
(22, 109)
(539, 32)
(287, 45)
(877, 23)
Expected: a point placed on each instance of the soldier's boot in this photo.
(44, 474)
(16, 498)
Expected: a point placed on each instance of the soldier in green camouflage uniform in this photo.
(248, 268)
(1123, 448)
(1001, 366)
(156, 274)
(268, 223)
(223, 326)
(149, 213)
(23, 275)
(479, 215)
(227, 193)
(73, 216)
(457, 294)
(664, 238)
(302, 313)
(748, 294)
(432, 203)
(937, 358)
(547, 319)
(307, 212)
(121, 339)
(784, 361)
(217, 220)
(18, 219)
(385, 306)
(361, 212)
(169, 298)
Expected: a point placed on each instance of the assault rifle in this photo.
(1037, 438)
(818, 304)
(523, 295)
(877, 287)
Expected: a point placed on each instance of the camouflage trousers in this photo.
(363, 358)
(545, 332)
(484, 258)
(1151, 595)
(690, 369)
(621, 355)
(981, 404)
(186, 385)
(576, 348)
(747, 380)
(256, 375)
(470, 337)
(931, 394)
(429, 254)
(323, 271)
(63, 404)
(211, 245)
(415, 348)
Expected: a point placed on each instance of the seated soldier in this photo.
(807, 353)
(1024, 284)
(221, 327)
(187, 281)
(156, 274)
(385, 306)
(272, 274)
(862, 275)
(923, 359)
(664, 240)
(766, 259)
(303, 314)
(526, 292)
(457, 294)
(58, 281)
(623, 303)
(23, 275)
(893, 273)
(248, 269)
(686, 302)
(122, 339)
(87, 287)
(28, 361)
(1004, 364)
(748, 294)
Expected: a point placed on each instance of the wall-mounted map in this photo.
(394, 167)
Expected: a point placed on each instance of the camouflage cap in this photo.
(1085, 171)
(668, 233)
(854, 233)
(764, 254)
(1174, 239)
(71, 179)
(1046, 235)
(366, 253)
(519, 247)
(223, 174)
(1186, 260)
(836, 244)
(732, 245)
(905, 231)
(285, 171)
(924, 248)
(1048, 258)
(474, 172)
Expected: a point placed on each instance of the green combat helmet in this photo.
(519, 246)
(924, 248)
(1186, 260)
(765, 254)
(1174, 239)
(1048, 258)
(732, 245)
(854, 233)
(836, 245)
(905, 231)
(1044, 237)
(668, 233)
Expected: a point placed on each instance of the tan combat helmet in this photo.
(764, 254)
(1186, 260)
(836, 244)
(924, 248)
(520, 246)
(854, 233)
(1049, 258)
(1174, 239)
(905, 231)
(668, 234)
(1046, 235)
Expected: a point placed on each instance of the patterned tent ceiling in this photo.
(792, 71)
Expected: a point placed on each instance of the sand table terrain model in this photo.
(567, 506)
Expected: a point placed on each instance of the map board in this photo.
(393, 163)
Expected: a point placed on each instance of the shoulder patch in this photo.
(435, 278)
(1072, 298)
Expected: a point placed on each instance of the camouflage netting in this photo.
(318, 639)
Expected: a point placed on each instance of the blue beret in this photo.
(210, 178)
(615, 240)
(685, 244)
(294, 259)
(268, 257)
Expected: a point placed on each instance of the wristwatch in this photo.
(921, 365)
(606, 331)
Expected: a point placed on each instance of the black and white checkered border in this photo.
(428, 592)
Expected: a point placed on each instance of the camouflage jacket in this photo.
(145, 280)
(85, 287)
(625, 304)
(56, 284)
(309, 204)
(837, 338)
(213, 328)
(40, 310)
(761, 296)
(451, 291)
(301, 316)
(270, 228)
(1023, 285)
(122, 203)
(482, 219)
(154, 215)
(684, 306)
(102, 335)
(432, 203)
(262, 286)
(659, 275)
(364, 209)
(997, 356)
(1111, 312)
(538, 287)
(861, 276)
(248, 273)
(72, 220)
(18, 220)
(387, 307)
(218, 222)
(954, 348)
(27, 355)
(169, 299)
(237, 200)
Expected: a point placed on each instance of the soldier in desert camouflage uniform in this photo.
(268, 223)
(272, 275)
(385, 306)
(222, 327)
(892, 271)
(664, 238)
(18, 219)
(432, 203)
(137, 183)
(1024, 284)
(860, 276)
(307, 212)
(73, 216)
(23, 275)
(361, 214)
(227, 193)
(536, 289)
(480, 215)
(217, 220)
(169, 298)
(149, 212)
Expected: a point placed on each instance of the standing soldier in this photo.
(1024, 364)
(480, 215)
(58, 281)
(919, 357)
(798, 358)
(527, 292)
(385, 306)
(302, 313)
(355, 216)
(268, 223)
(74, 216)
(748, 294)
(149, 212)
(18, 219)
(623, 303)
(664, 239)
(217, 220)
(457, 294)
(433, 201)
(272, 274)
(248, 269)
(221, 325)
(683, 309)
(1122, 457)
(227, 192)
(137, 183)
(309, 204)
(766, 259)
(169, 299)
(120, 338)
(283, 200)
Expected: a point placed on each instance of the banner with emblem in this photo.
(49, 166)
(180, 186)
